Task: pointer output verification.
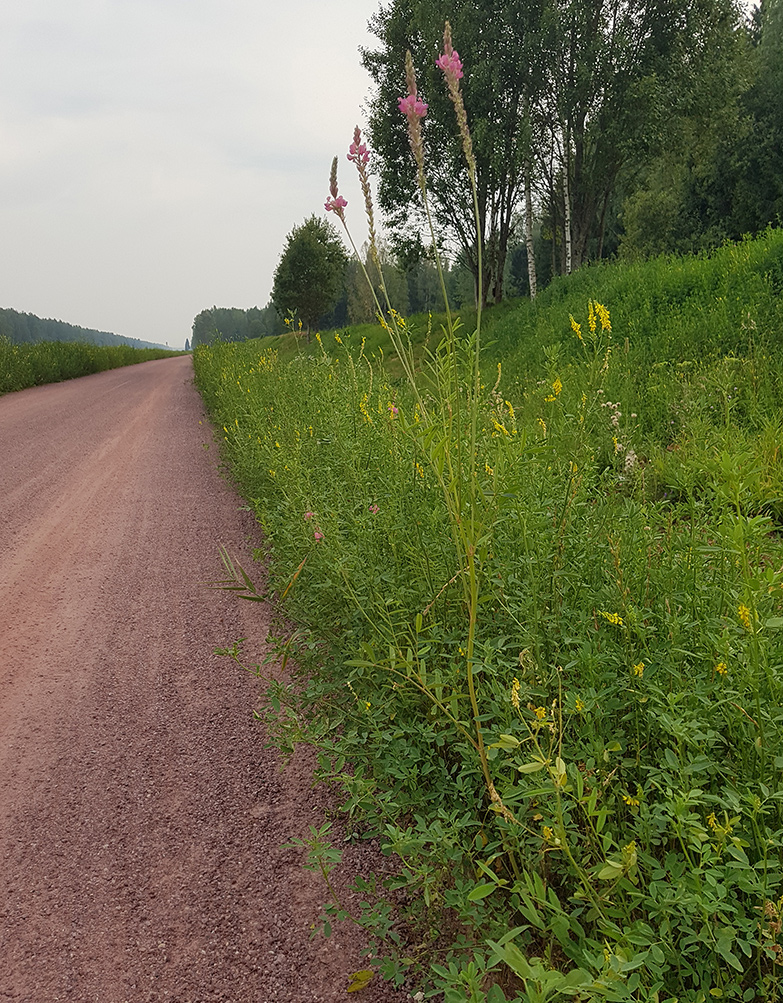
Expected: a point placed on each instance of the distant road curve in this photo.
(140, 816)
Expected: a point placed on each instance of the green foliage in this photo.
(26, 328)
(309, 275)
(234, 324)
(627, 652)
(30, 365)
(720, 176)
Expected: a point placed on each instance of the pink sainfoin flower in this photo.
(335, 203)
(374, 509)
(357, 152)
(308, 515)
(412, 106)
(451, 64)
(414, 109)
(318, 536)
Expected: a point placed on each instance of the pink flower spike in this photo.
(357, 152)
(335, 205)
(318, 536)
(309, 515)
(412, 106)
(374, 509)
(451, 64)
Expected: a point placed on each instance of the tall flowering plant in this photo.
(445, 432)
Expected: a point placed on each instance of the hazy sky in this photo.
(155, 153)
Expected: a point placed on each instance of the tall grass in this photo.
(30, 365)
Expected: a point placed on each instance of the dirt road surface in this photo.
(140, 815)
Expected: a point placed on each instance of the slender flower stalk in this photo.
(359, 155)
(414, 109)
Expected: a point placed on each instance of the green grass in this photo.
(608, 824)
(30, 365)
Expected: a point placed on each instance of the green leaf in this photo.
(774, 622)
(360, 980)
(610, 871)
(506, 742)
(481, 892)
(533, 767)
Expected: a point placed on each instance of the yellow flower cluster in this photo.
(557, 389)
(603, 316)
(745, 617)
(515, 694)
(614, 618)
(638, 670)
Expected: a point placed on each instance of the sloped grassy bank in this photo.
(31, 365)
(583, 785)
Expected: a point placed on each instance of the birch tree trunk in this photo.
(531, 260)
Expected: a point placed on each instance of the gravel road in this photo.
(140, 815)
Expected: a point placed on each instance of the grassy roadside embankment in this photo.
(571, 741)
(31, 365)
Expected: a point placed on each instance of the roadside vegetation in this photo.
(529, 571)
(32, 364)
(608, 816)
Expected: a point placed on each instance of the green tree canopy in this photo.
(566, 94)
(309, 276)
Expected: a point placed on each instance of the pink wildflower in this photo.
(357, 152)
(451, 64)
(318, 536)
(374, 509)
(336, 205)
(412, 107)
(309, 515)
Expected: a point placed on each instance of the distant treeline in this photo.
(26, 328)
(224, 323)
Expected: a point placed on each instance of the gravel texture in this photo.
(141, 818)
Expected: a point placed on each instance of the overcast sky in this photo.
(155, 153)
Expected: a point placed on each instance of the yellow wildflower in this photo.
(515, 694)
(580, 707)
(542, 423)
(638, 670)
(745, 617)
(603, 316)
(721, 668)
(631, 801)
(548, 834)
(614, 618)
(576, 328)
